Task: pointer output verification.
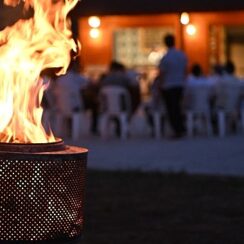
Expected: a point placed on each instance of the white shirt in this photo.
(200, 80)
(198, 91)
(173, 68)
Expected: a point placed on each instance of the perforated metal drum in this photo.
(42, 188)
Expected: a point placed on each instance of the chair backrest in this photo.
(68, 96)
(114, 100)
(228, 97)
(199, 96)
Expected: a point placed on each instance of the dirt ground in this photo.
(154, 208)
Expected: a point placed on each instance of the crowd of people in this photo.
(180, 91)
(73, 92)
(172, 92)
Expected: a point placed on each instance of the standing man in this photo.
(172, 75)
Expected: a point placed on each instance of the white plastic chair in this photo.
(157, 114)
(62, 129)
(65, 113)
(228, 98)
(198, 113)
(115, 103)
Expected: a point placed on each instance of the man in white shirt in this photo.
(172, 74)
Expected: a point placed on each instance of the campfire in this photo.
(26, 49)
(41, 178)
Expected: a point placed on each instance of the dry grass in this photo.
(155, 208)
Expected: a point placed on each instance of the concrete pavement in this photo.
(202, 155)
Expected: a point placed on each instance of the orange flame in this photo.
(26, 49)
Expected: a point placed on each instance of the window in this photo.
(139, 46)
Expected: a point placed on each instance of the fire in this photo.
(26, 49)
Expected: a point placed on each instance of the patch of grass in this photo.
(154, 208)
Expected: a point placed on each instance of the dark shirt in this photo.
(117, 79)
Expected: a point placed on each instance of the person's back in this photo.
(116, 79)
(197, 78)
(116, 76)
(173, 67)
(228, 89)
(198, 90)
(215, 76)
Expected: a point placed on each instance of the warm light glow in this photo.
(191, 29)
(94, 33)
(155, 56)
(184, 18)
(26, 49)
(94, 21)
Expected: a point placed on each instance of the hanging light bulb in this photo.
(94, 33)
(184, 18)
(191, 29)
(94, 21)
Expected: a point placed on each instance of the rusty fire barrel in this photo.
(42, 192)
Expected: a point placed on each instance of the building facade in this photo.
(136, 40)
